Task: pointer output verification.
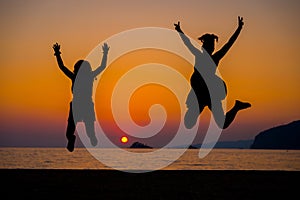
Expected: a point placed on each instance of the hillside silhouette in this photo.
(285, 136)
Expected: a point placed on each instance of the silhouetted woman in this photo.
(82, 88)
(198, 83)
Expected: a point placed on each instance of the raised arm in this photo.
(102, 66)
(66, 71)
(221, 53)
(186, 40)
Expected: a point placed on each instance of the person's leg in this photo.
(70, 133)
(224, 121)
(90, 131)
(89, 121)
(194, 109)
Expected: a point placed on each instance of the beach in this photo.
(161, 184)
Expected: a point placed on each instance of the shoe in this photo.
(242, 105)
(71, 143)
(94, 140)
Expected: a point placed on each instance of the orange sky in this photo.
(261, 67)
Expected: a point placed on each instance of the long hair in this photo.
(83, 65)
(83, 83)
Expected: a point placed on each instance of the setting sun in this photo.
(124, 139)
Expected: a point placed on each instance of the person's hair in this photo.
(83, 64)
(208, 38)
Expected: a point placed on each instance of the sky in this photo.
(260, 68)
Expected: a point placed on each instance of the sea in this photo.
(139, 159)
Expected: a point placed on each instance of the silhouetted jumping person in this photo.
(203, 95)
(82, 88)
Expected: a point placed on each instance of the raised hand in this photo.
(240, 21)
(177, 27)
(56, 48)
(105, 48)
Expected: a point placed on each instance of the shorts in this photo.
(82, 112)
(200, 95)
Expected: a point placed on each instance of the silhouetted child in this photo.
(199, 86)
(81, 106)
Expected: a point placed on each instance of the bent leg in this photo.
(218, 114)
(193, 110)
(224, 121)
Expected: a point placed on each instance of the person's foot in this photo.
(94, 140)
(190, 118)
(71, 143)
(242, 105)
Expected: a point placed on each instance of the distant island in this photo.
(237, 144)
(286, 136)
(140, 145)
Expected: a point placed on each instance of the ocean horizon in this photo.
(82, 158)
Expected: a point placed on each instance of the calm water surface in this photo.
(217, 159)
